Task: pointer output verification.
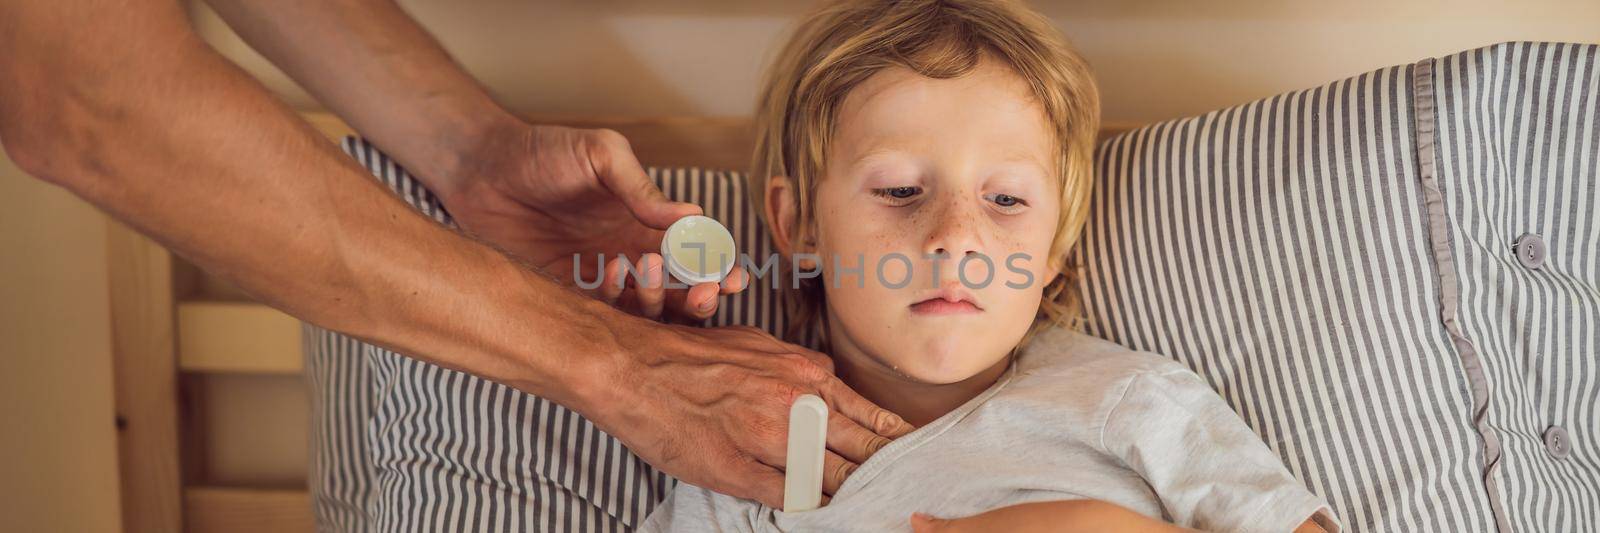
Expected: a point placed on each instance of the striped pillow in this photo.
(1516, 180)
(1337, 263)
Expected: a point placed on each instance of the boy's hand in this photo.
(545, 193)
(1056, 516)
(1062, 516)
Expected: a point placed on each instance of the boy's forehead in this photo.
(897, 112)
(990, 82)
(890, 156)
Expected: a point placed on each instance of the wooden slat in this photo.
(710, 142)
(242, 510)
(229, 336)
(681, 141)
(145, 371)
(1113, 129)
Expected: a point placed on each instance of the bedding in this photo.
(1392, 278)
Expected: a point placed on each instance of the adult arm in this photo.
(540, 192)
(375, 67)
(122, 104)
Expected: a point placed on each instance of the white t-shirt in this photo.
(1072, 417)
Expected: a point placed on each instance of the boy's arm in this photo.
(1310, 526)
(1053, 516)
(1062, 516)
(1209, 470)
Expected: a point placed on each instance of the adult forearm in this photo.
(373, 65)
(126, 107)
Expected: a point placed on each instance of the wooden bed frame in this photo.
(171, 322)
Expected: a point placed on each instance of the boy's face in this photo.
(922, 166)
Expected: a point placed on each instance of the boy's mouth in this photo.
(947, 301)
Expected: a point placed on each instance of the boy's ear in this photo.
(781, 208)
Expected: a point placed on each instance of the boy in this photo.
(932, 160)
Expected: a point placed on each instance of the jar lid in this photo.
(697, 249)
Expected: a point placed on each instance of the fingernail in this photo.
(706, 305)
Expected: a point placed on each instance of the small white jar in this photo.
(698, 249)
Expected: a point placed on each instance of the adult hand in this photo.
(546, 193)
(710, 406)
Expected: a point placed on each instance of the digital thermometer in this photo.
(808, 440)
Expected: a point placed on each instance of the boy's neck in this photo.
(917, 402)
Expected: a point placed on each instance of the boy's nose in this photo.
(955, 231)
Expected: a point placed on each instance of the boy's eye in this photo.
(1007, 203)
(901, 192)
(898, 194)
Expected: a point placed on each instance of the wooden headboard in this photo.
(708, 142)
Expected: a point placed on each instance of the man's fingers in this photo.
(700, 302)
(736, 281)
(612, 284)
(650, 291)
(852, 441)
(835, 470)
(820, 360)
(850, 404)
(617, 168)
(816, 358)
(693, 304)
(764, 484)
(703, 299)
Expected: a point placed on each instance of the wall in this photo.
(1155, 59)
(58, 469)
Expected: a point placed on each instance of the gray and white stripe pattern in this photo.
(1283, 249)
(1518, 153)
(402, 445)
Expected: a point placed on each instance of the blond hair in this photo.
(845, 42)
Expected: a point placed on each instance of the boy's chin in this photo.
(945, 363)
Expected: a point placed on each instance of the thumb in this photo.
(620, 172)
(922, 523)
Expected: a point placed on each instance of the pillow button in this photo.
(1557, 442)
(1530, 250)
